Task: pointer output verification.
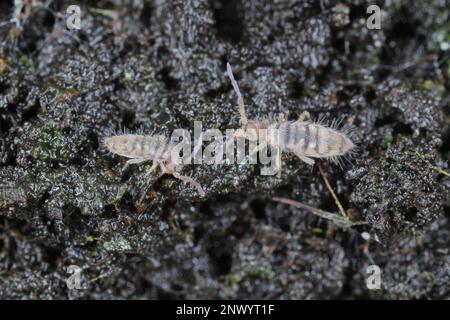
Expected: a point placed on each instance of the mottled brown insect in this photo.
(305, 138)
(139, 148)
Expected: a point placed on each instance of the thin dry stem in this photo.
(336, 219)
(333, 194)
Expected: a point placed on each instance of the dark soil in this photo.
(155, 67)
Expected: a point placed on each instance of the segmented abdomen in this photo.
(138, 147)
(312, 140)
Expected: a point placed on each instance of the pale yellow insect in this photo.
(305, 138)
(139, 148)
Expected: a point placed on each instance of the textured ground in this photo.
(158, 66)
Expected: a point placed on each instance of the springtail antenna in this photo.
(244, 119)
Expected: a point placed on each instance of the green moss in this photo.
(429, 85)
(129, 75)
(12, 193)
(383, 163)
(236, 277)
(262, 272)
(442, 37)
(387, 141)
(23, 59)
(25, 62)
(394, 171)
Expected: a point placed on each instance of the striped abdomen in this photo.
(138, 147)
(311, 140)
